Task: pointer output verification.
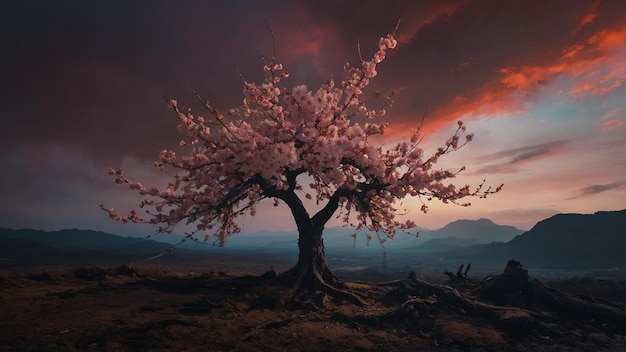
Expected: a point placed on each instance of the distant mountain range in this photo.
(463, 233)
(456, 234)
(564, 240)
(29, 247)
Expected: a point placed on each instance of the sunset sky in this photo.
(540, 83)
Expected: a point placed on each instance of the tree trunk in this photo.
(311, 267)
(311, 277)
(311, 280)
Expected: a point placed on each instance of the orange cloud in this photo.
(308, 41)
(608, 40)
(593, 61)
(444, 118)
(599, 64)
(526, 77)
(487, 100)
(590, 17)
(602, 86)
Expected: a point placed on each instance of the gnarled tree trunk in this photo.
(311, 265)
(311, 275)
(311, 278)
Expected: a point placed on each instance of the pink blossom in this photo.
(259, 149)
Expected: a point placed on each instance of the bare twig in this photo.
(395, 29)
(212, 110)
(273, 40)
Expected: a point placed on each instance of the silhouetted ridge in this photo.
(481, 230)
(29, 247)
(576, 240)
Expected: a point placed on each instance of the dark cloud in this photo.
(516, 156)
(621, 143)
(599, 188)
(496, 169)
(91, 75)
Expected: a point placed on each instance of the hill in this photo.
(577, 241)
(564, 241)
(481, 231)
(27, 247)
(446, 244)
(459, 233)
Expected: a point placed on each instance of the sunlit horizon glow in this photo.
(541, 84)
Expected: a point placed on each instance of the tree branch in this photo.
(322, 216)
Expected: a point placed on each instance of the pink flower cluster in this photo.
(259, 149)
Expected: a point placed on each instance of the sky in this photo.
(540, 84)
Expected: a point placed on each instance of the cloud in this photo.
(612, 124)
(108, 81)
(598, 188)
(613, 119)
(589, 17)
(497, 169)
(615, 145)
(450, 65)
(88, 78)
(516, 156)
(48, 184)
(597, 64)
(438, 11)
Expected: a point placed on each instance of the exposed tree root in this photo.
(516, 304)
(517, 289)
(311, 288)
(460, 276)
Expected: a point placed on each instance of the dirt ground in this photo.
(127, 309)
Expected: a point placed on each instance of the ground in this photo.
(129, 308)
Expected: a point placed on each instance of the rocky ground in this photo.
(132, 309)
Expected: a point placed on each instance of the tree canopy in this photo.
(287, 144)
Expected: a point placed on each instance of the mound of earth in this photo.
(124, 309)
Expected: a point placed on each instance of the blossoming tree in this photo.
(285, 144)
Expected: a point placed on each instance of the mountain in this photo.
(481, 231)
(75, 239)
(445, 244)
(577, 241)
(28, 247)
(567, 241)
(462, 233)
(80, 247)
